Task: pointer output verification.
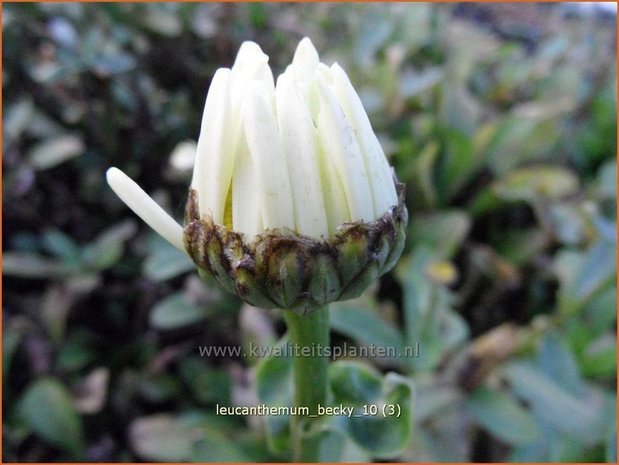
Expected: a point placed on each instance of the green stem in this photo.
(309, 336)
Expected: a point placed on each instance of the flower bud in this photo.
(292, 202)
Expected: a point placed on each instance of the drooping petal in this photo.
(145, 207)
(341, 145)
(299, 143)
(381, 180)
(214, 157)
(265, 147)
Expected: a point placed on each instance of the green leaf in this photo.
(600, 358)
(354, 383)
(543, 181)
(258, 15)
(605, 228)
(598, 268)
(109, 65)
(484, 202)
(457, 164)
(611, 445)
(162, 437)
(430, 321)
(274, 387)
(502, 416)
(433, 397)
(207, 384)
(162, 21)
(373, 34)
(108, 247)
(557, 362)
(166, 261)
(61, 245)
(30, 265)
(17, 117)
(77, 351)
(365, 326)
(11, 337)
(386, 431)
(218, 447)
(48, 409)
(422, 182)
(551, 401)
(520, 246)
(160, 387)
(571, 223)
(583, 275)
(460, 113)
(416, 83)
(607, 180)
(601, 310)
(507, 151)
(176, 311)
(443, 231)
(230, 445)
(337, 446)
(536, 451)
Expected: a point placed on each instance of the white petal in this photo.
(251, 64)
(381, 179)
(246, 209)
(305, 60)
(333, 192)
(302, 69)
(323, 73)
(340, 143)
(266, 150)
(214, 157)
(298, 136)
(145, 207)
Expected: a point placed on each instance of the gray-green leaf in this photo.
(176, 311)
(502, 416)
(48, 408)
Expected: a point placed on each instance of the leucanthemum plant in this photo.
(292, 203)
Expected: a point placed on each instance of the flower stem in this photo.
(309, 335)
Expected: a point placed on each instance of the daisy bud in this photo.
(292, 202)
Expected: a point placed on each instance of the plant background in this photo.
(500, 119)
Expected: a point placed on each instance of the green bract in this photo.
(283, 269)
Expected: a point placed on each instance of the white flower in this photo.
(298, 153)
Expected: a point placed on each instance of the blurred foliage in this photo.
(499, 118)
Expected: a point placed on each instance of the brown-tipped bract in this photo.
(280, 268)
